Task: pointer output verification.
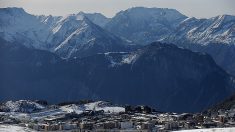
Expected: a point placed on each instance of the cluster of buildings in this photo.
(140, 119)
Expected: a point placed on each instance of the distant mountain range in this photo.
(146, 25)
(215, 36)
(90, 56)
(84, 34)
(70, 36)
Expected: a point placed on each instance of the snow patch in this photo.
(129, 59)
(22, 106)
(232, 129)
(14, 128)
(105, 106)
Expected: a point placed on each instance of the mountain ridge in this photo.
(143, 74)
(50, 33)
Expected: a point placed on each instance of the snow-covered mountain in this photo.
(17, 25)
(219, 29)
(71, 35)
(215, 36)
(76, 35)
(145, 25)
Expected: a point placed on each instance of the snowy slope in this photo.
(232, 129)
(76, 36)
(120, 58)
(95, 106)
(105, 106)
(14, 128)
(24, 106)
(219, 29)
(30, 110)
(79, 109)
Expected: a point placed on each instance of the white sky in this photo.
(196, 8)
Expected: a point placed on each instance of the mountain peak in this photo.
(161, 45)
(97, 18)
(81, 13)
(152, 8)
(74, 17)
(224, 18)
(145, 25)
(154, 11)
(13, 10)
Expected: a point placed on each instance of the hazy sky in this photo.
(196, 8)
